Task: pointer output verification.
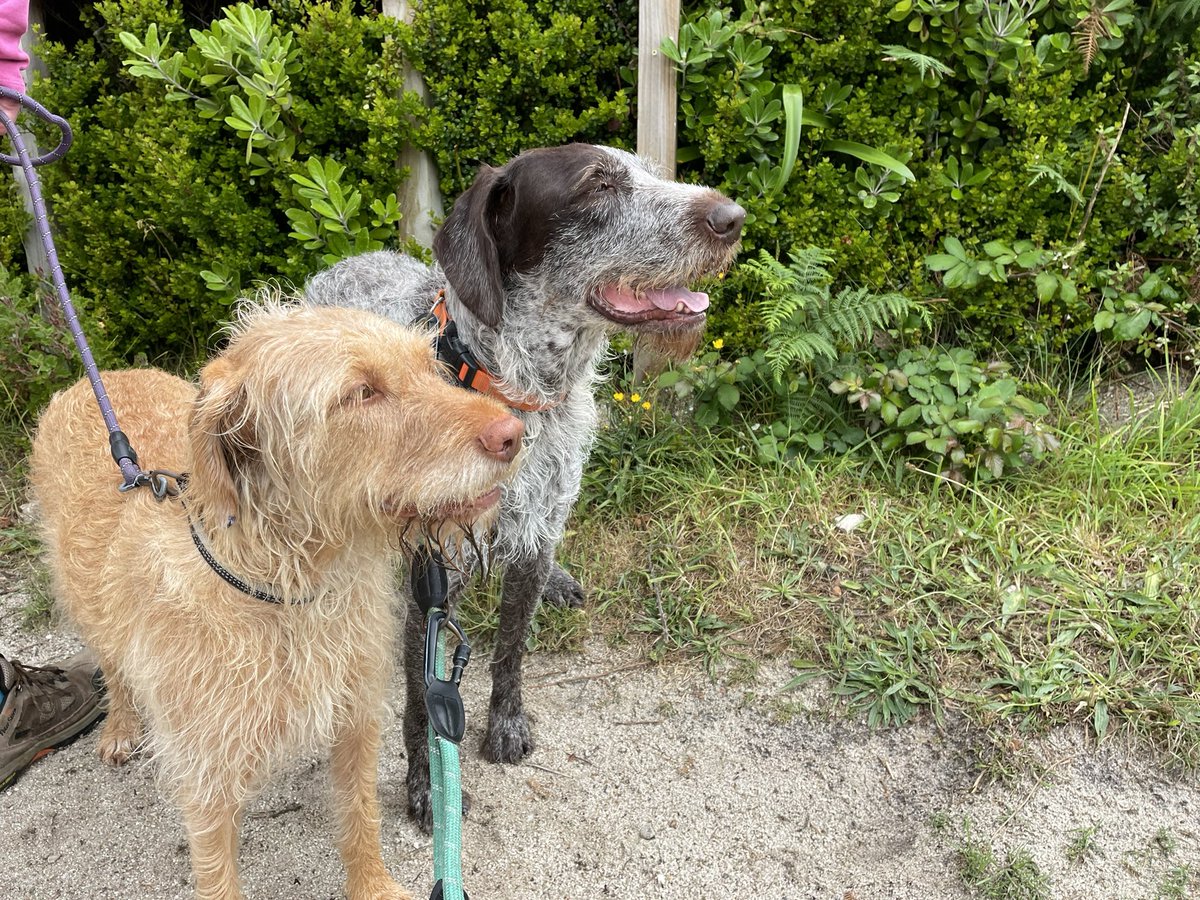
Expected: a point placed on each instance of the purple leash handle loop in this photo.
(125, 458)
(44, 114)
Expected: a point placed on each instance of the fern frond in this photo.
(1040, 171)
(1091, 28)
(799, 347)
(804, 323)
(925, 65)
(789, 290)
(1180, 11)
(808, 267)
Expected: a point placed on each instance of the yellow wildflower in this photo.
(618, 396)
(634, 398)
(718, 343)
(645, 404)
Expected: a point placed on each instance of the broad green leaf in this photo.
(1131, 327)
(870, 155)
(728, 396)
(793, 107)
(814, 119)
(1047, 285)
(941, 262)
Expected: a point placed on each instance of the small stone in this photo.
(647, 833)
(849, 521)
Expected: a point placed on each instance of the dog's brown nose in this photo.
(501, 438)
(726, 220)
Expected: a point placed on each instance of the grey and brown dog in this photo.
(539, 263)
(315, 443)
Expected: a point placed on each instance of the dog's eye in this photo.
(360, 394)
(603, 186)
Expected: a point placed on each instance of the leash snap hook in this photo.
(443, 701)
(439, 892)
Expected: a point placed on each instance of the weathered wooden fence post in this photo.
(657, 19)
(35, 254)
(419, 197)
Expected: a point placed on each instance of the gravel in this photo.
(647, 782)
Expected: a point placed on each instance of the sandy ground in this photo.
(648, 782)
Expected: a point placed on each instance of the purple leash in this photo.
(122, 453)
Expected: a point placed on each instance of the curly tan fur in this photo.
(315, 441)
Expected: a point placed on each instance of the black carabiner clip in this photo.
(443, 701)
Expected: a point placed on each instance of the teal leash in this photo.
(447, 723)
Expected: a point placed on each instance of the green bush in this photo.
(155, 193)
(966, 417)
(265, 145)
(1008, 115)
(509, 75)
(37, 352)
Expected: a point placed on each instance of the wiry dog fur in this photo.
(315, 441)
(527, 258)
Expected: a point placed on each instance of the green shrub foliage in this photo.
(263, 145)
(1049, 143)
(507, 75)
(1025, 172)
(161, 215)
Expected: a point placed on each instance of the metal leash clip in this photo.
(443, 702)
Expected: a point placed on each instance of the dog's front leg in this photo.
(354, 764)
(508, 738)
(212, 829)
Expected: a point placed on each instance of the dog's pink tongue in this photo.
(661, 298)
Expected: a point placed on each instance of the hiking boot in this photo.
(45, 708)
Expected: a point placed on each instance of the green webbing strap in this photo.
(446, 784)
(447, 722)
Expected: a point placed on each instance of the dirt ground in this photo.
(647, 782)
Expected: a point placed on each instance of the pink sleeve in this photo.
(14, 21)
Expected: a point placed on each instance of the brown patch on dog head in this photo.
(223, 442)
(506, 219)
(465, 246)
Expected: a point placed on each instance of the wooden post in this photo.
(657, 19)
(419, 197)
(35, 254)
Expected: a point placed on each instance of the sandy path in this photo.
(647, 783)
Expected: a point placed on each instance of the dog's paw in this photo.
(118, 743)
(508, 739)
(420, 801)
(562, 590)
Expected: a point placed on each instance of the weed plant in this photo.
(1062, 594)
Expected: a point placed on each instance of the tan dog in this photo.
(315, 441)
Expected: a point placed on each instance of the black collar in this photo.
(467, 370)
(158, 481)
(228, 576)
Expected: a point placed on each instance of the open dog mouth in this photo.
(627, 306)
(465, 510)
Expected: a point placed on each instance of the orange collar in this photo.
(466, 368)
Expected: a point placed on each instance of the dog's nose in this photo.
(501, 438)
(726, 220)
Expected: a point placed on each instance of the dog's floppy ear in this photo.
(223, 441)
(466, 247)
